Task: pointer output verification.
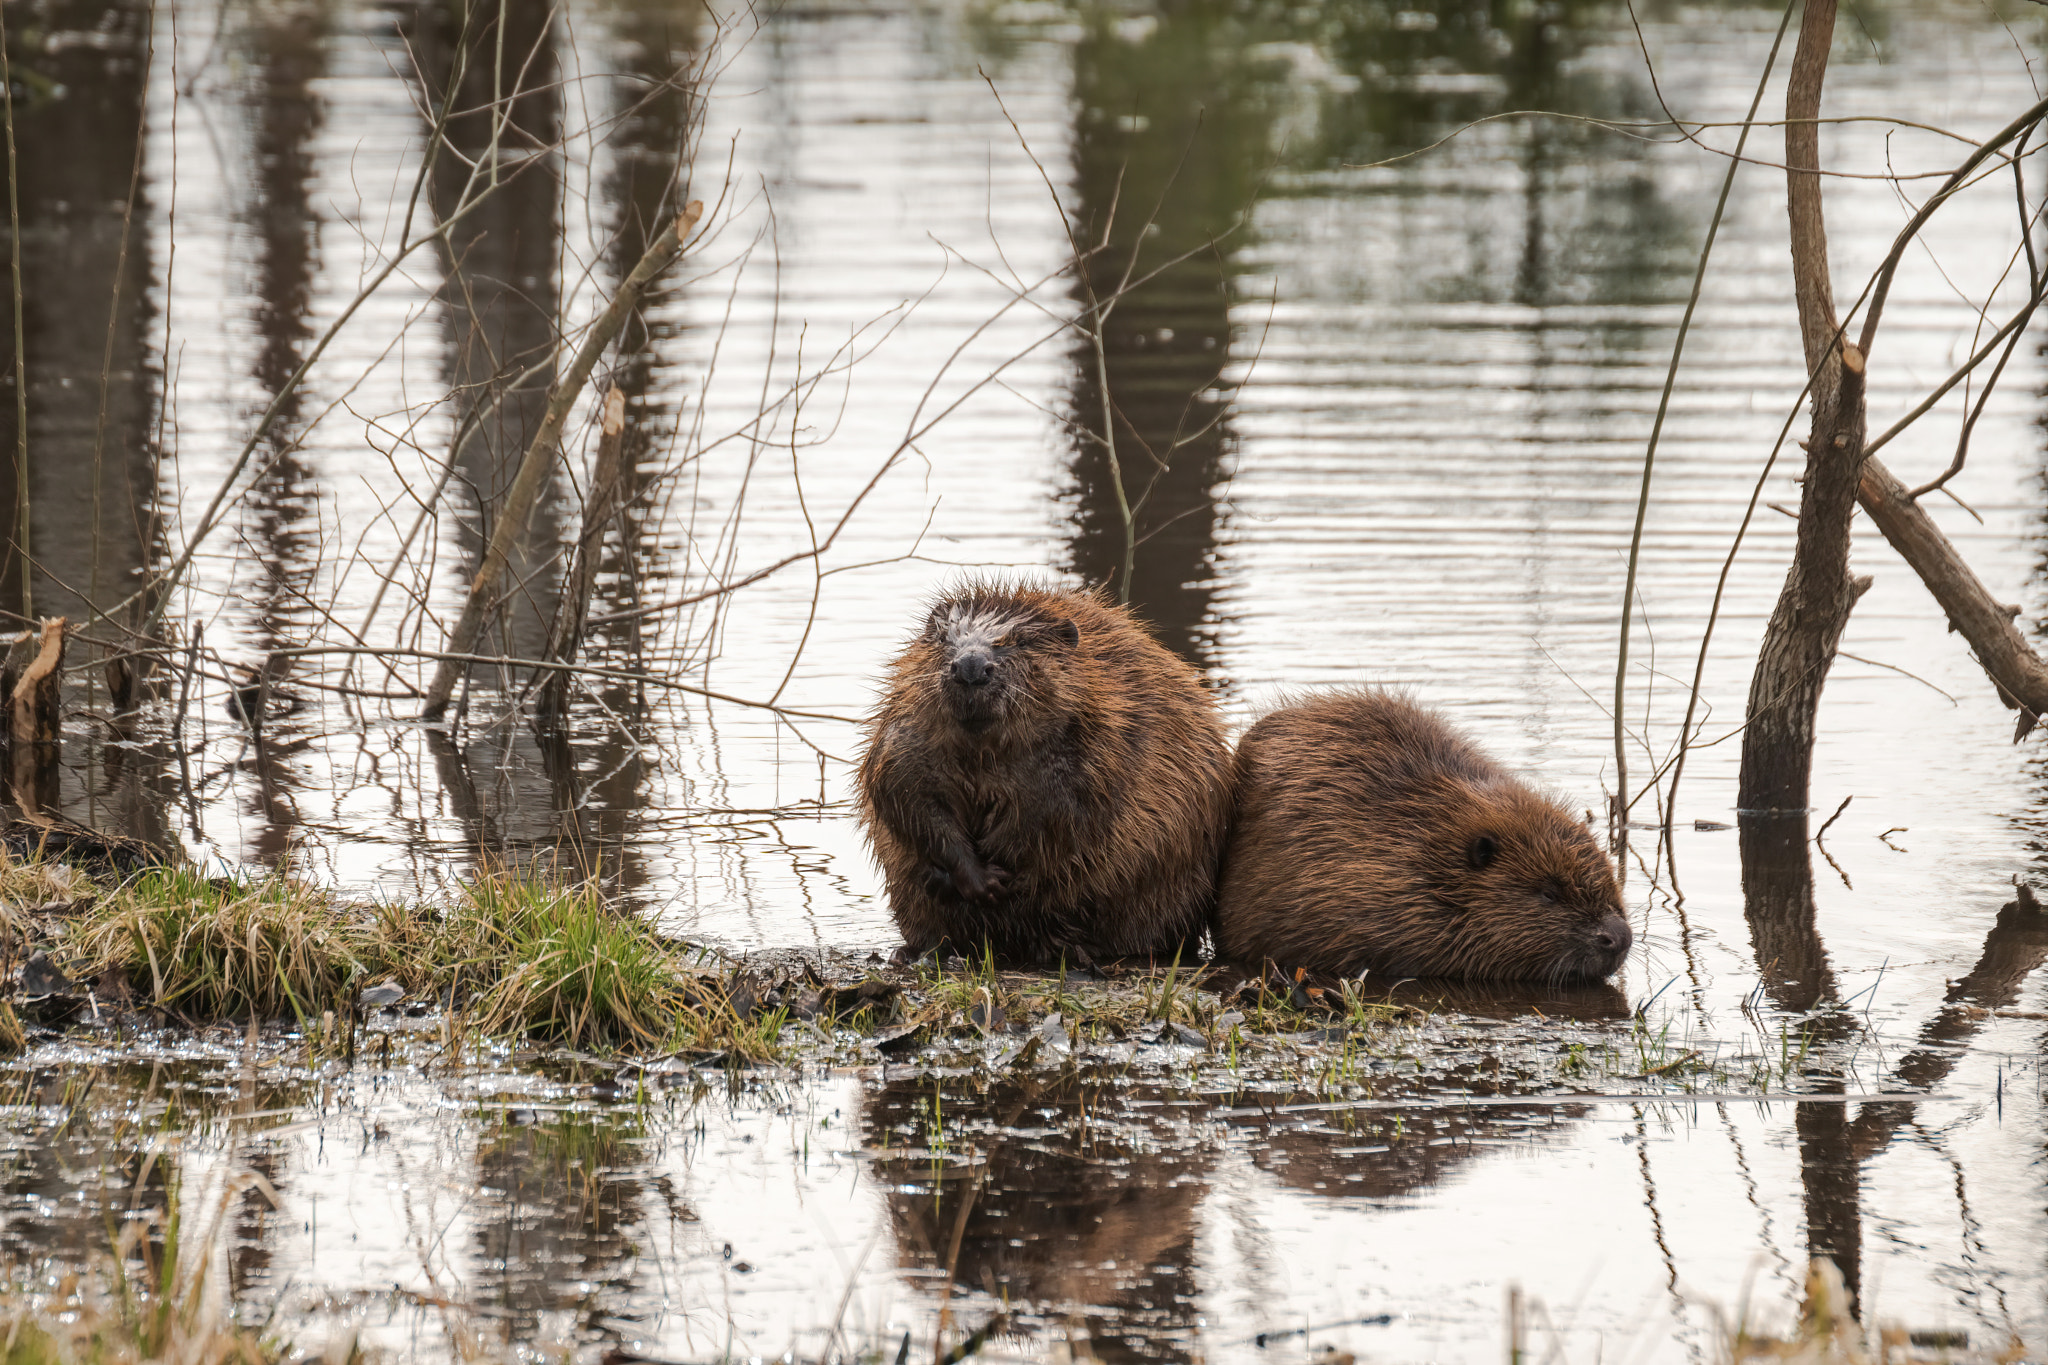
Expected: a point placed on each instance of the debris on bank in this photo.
(528, 959)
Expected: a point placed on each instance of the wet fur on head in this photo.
(1368, 835)
(1042, 776)
(1013, 635)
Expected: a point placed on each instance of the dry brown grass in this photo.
(147, 1299)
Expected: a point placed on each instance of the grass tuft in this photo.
(522, 954)
(220, 948)
(562, 964)
(26, 883)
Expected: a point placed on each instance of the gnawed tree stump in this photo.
(32, 713)
(30, 685)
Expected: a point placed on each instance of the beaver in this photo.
(1370, 836)
(1043, 779)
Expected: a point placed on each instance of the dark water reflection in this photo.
(1171, 140)
(561, 1217)
(285, 49)
(501, 75)
(87, 262)
(1060, 1197)
(1377, 423)
(1777, 899)
(1834, 1145)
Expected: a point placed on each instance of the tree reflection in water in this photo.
(81, 71)
(1184, 119)
(1834, 1144)
(559, 1218)
(497, 72)
(1169, 142)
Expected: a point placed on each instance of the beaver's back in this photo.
(1369, 835)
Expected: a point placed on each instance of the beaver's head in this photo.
(1525, 892)
(994, 655)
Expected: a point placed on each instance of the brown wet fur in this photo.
(1072, 807)
(1370, 836)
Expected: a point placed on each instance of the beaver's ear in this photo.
(1064, 632)
(935, 624)
(1480, 852)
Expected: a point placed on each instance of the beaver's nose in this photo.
(973, 669)
(1613, 937)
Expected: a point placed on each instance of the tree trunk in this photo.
(1813, 607)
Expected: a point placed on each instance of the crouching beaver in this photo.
(1045, 779)
(1368, 835)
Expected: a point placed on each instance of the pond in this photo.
(1391, 412)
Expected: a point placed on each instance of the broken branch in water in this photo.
(1987, 625)
(540, 456)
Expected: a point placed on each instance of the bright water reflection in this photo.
(1391, 422)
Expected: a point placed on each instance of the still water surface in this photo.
(1400, 410)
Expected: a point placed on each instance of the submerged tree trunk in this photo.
(1813, 607)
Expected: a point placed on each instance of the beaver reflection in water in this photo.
(1044, 779)
(1370, 836)
(1083, 1201)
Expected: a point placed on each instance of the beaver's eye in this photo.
(1550, 893)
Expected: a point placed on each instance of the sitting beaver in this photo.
(1045, 779)
(1368, 835)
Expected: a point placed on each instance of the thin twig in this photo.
(1903, 672)
(1699, 279)
(510, 662)
(540, 454)
(2011, 329)
(1821, 833)
(1955, 182)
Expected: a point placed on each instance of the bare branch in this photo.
(540, 454)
